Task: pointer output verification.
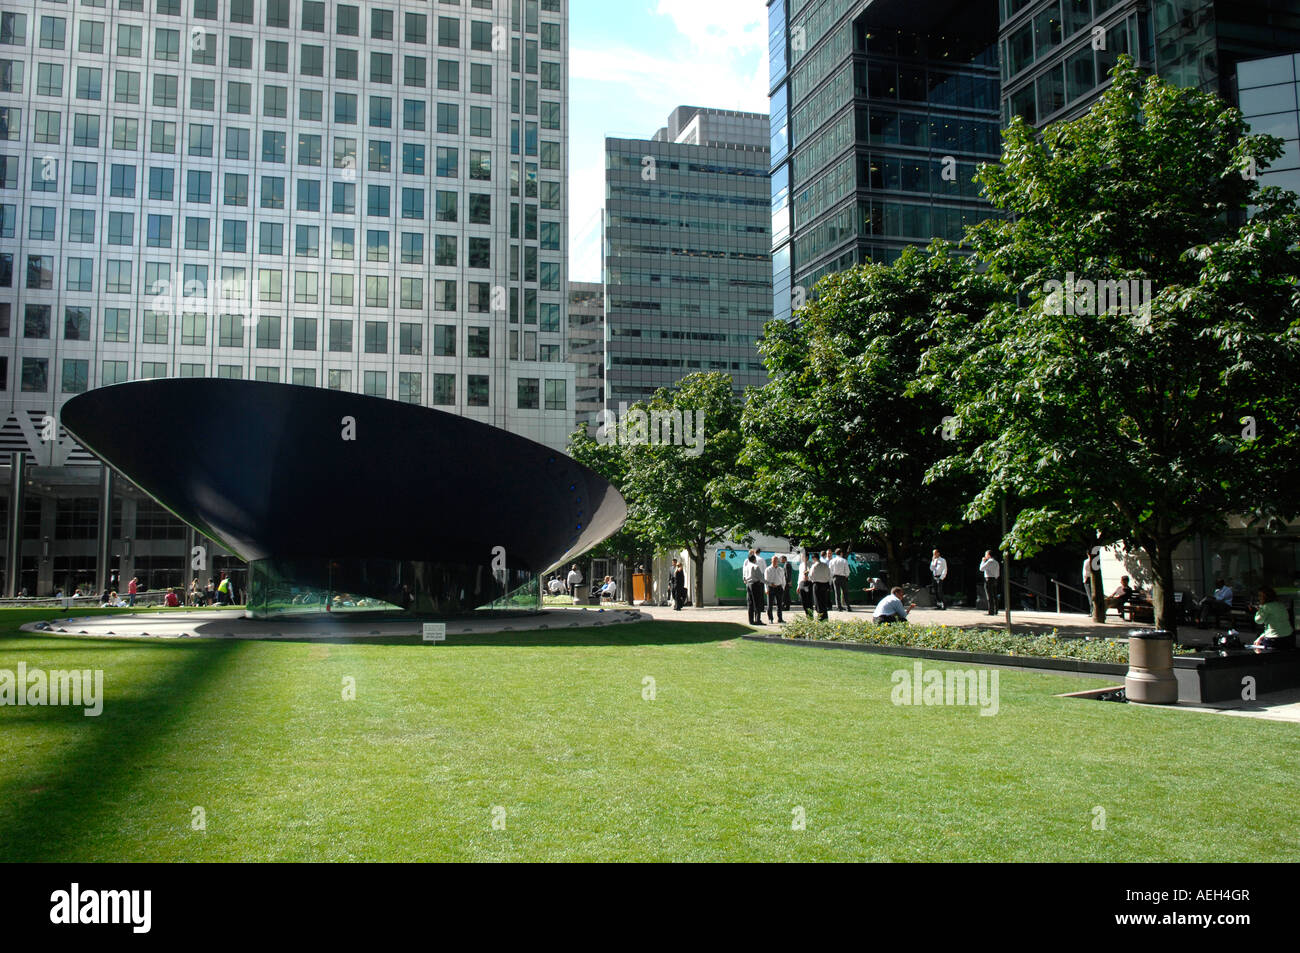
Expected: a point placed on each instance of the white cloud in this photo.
(719, 61)
(726, 27)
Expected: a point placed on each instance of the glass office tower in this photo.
(881, 111)
(688, 267)
(1056, 54)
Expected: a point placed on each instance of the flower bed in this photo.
(953, 639)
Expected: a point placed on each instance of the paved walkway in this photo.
(232, 625)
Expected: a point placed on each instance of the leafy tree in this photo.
(610, 461)
(680, 495)
(1147, 426)
(838, 443)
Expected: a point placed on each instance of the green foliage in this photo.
(953, 639)
(1132, 424)
(679, 495)
(838, 443)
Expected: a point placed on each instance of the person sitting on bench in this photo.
(1272, 617)
(891, 608)
(1122, 595)
(1217, 605)
(609, 590)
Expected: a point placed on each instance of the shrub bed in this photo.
(952, 639)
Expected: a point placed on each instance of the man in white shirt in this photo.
(821, 580)
(939, 570)
(891, 608)
(1217, 605)
(775, 577)
(574, 580)
(992, 569)
(754, 574)
(840, 580)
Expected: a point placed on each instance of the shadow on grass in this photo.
(59, 806)
(618, 634)
(615, 634)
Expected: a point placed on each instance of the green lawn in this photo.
(553, 728)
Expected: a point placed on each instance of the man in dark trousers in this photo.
(775, 578)
(840, 580)
(789, 579)
(679, 585)
(821, 580)
(753, 572)
(806, 586)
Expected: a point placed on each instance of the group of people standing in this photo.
(768, 585)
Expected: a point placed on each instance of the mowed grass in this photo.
(552, 729)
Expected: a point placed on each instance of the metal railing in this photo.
(1047, 598)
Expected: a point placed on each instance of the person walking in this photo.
(775, 577)
(574, 580)
(754, 580)
(679, 585)
(821, 580)
(132, 588)
(223, 590)
(991, 569)
(840, 580)
(939, 570)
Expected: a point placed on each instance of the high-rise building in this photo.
(586, 339)
(881, 111)
(1056, 55)
(1268, 89)
(363, 196)
(688, 275)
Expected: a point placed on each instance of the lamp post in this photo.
(1006, 566)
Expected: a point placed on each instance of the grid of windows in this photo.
(291, 141)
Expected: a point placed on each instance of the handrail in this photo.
(1058, 584)
(1045, 595)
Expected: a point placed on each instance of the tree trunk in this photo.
(1098, 591)
(697, 554)
(1162, 571)
(893, 565)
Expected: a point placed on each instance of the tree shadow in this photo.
(94, 774)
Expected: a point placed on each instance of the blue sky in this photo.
(631, 62)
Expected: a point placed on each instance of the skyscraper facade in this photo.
(362, 196)
(1056, 55)
(586, 340)
(687, 252)
(881, 111)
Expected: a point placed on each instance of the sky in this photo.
(631, 62)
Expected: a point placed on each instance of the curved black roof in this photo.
(265, 469)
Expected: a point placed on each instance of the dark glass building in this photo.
(881, 110)
(1056, 54)
(688, 266)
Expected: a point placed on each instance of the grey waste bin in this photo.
(1150, 679)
